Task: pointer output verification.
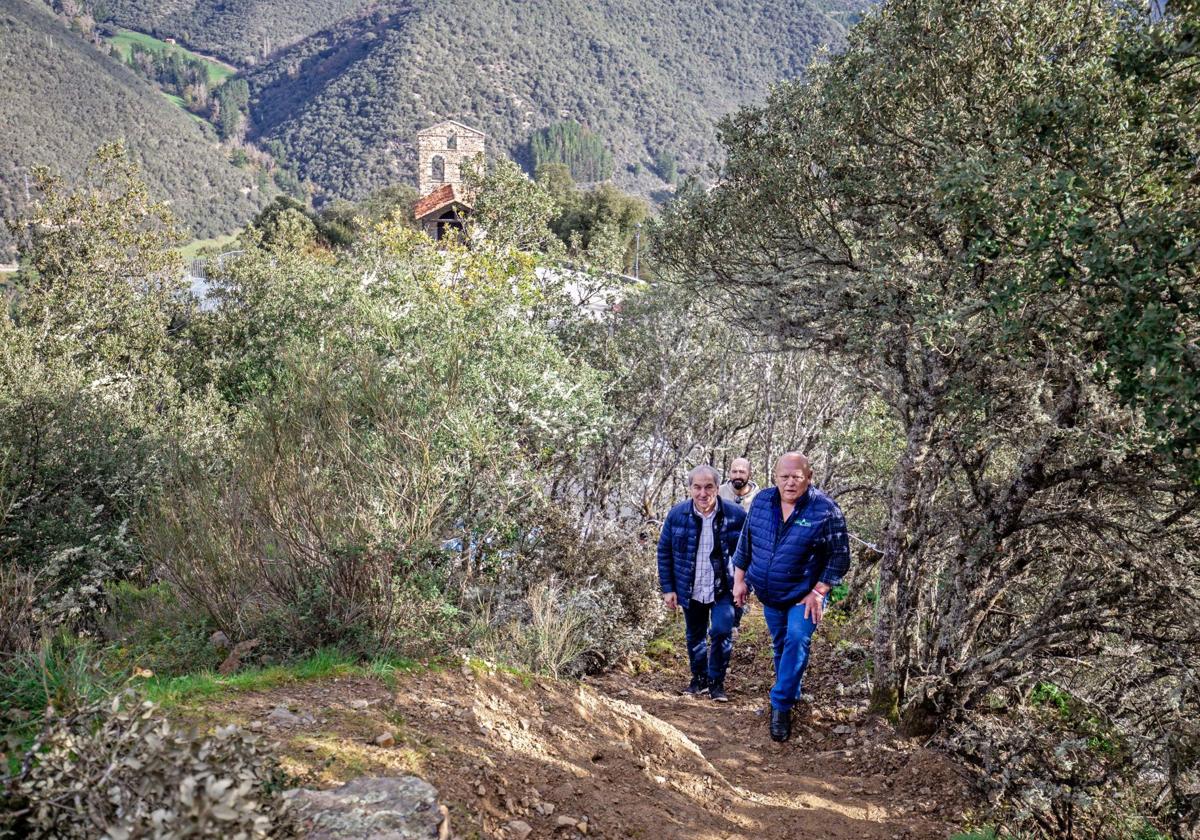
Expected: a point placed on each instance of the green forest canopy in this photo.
(569, 143)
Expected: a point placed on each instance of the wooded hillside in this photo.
(345, 103)
(243, 32)
(342, 104)
(60, 99)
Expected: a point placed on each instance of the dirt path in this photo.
(624, 751)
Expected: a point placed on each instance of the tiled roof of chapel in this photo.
(439, 199)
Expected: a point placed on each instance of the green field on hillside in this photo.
(217, 72)
(217, 244)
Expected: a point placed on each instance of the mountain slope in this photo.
(240, 31)
(649, 78)
(60, 99)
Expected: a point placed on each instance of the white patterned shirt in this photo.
(704, 586)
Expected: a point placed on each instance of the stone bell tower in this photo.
(441, 151)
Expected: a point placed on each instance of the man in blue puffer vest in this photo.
(793, 550)
(695, 571)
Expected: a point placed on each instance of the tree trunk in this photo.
(889, 678)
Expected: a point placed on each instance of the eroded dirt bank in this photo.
(622, 755)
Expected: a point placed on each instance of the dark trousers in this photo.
(710, 637)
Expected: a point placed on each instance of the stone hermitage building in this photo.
(442, 150)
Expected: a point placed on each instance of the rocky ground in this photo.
(621, 755)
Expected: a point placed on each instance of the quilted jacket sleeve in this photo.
(666, 565)
(837, 547)
(741, 555)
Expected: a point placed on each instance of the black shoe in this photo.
(717, 692)
(698, 685)
(781, 724)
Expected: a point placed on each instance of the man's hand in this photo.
(814, 606)
(670, 600)
(740, 592)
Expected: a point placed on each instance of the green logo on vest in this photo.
(803, 523)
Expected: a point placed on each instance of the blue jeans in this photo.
(710, 660)
(791, 635)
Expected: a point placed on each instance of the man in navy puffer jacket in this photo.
(695, 571)
(794, 548)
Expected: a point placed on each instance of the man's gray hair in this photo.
(704, 468)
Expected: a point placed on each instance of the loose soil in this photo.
(624, 750)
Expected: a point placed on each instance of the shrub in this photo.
(375, 420)
(88, 398)
(18, 595)
(117, 766)
(304, 539)
(150, 628)
(90, 450)
(600, 588)
(84, 456)
(1056, 764)
(543, 632)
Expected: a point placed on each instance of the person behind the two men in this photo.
(695, 572)
(793, 550)
(739, 488)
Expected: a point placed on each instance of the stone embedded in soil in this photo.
(360, 704)
(565, 822)
(280, 716)
(520, 829)
(385, 739)
(369, 808)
